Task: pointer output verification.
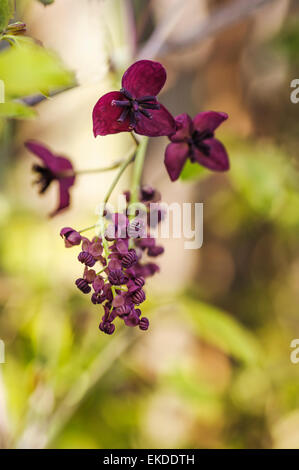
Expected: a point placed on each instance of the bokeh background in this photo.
(214, 369)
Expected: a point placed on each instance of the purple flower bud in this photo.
(123, 310)
(139, 281)
(82, 284)
(116, 277)
(107, 327)
(70, 236)
(144, 323)
(86, 258)
(98, 284)
(96, 249)
(132, 319)
(89, 275)
(129, 259)
(118, 301)
(138, 297)
(155, 251)
(95, 298)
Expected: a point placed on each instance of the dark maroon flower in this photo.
(144, 323)
(135, 106)
(82, 284)
(132, 319)
(194, 139)
(155, 251)
(129, 259)
(70, 236)
(138, 297)
(86, 258)
(54, 168)
(116, 277)
(107, 327)
(123, 310)
(98, 284)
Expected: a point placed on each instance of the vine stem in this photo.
(115, 165)
(138, 167)
(122, 168)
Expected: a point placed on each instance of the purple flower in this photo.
(54, 168)
(86, 258)
(116, 277)
(82, 284)
(129, 259)
(70, 236)
(194, 139)
(144, 323)
(135, 106)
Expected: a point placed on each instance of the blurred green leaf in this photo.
(46, 2)
(13, 109)
(193, 171)
(6, 13)
(220, 329)
(28, 68)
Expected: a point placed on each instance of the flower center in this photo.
(134, 108)
(45, 177)
(197, 140)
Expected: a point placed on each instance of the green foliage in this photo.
(46, 2)
(193, 171)
(287, 41)
(17, 110)
(27, 68)
(6, 13)
(220, 329)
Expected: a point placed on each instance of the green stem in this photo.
(138, 167)
(99, 170)
(122, 168)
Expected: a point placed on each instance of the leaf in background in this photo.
(193, 171)
(6, 13)
(28, 68)
(220, 329)
(13, 109)
(261, 174)
(46, 2)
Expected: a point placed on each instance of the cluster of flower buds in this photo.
(118, 284)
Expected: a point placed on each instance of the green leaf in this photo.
(27, 68)
(223, 331)
(13, 109)
(46, 2)
(6, 13)
(193, 171)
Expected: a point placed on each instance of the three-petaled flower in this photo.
(54, 168)
(135, 106)
(194, 139)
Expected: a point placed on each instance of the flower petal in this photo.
(208, 120)
(176, 155)
(105, 115)
(218, 158)
(64, 194)
(184, 127)
(42, 152)
(144, 78)
(161, 123)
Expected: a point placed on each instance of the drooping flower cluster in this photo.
(119, 283)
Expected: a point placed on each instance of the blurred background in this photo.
(214, 369)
